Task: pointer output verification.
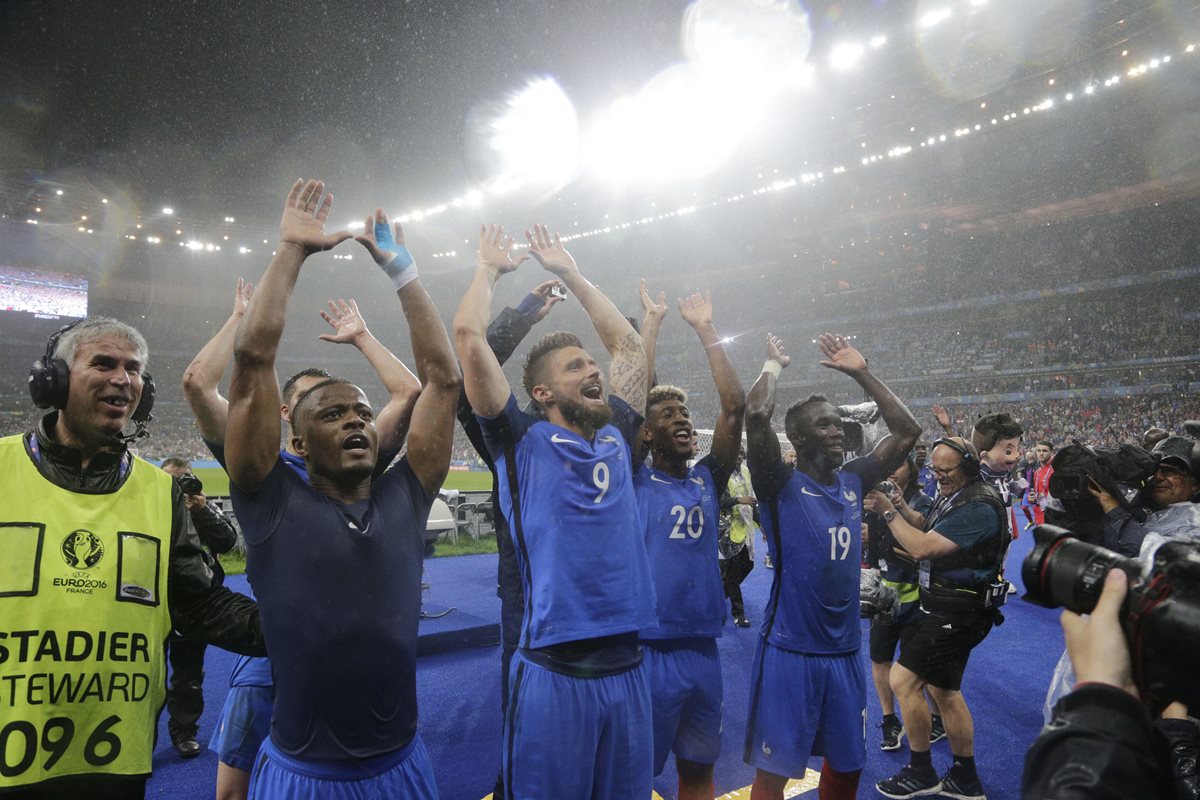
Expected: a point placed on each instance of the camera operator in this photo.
(185, 694)
(1100, 743)
(1171, 501)
(961, 547)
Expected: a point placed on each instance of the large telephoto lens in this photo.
(1064, 571)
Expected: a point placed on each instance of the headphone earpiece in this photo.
(49, 379)
(141, 414)
(970, 462)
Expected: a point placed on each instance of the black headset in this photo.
(970, 461)
(50, 381)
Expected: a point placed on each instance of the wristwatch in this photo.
(888, 516)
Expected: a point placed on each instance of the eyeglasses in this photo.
(943, 473)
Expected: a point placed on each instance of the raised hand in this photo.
(346, 321)
(652, 310)
(304, 215)
(696, 310)
(382, 242)
(942, 416)
(840, 354)
(241, 297)
(550, 252)
(775, 350)
(496, 249)
(545, 292)
(1097, 644)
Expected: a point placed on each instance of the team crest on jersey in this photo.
(851, 497)
(82, 549)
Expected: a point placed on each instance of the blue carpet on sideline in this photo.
(459, 696)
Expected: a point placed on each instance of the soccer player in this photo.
(680, 514)
(336, 561)
(809, 692)
(578, 721)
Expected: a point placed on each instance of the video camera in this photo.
(1160, 615)
(189, 484)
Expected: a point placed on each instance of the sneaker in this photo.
(962, 787)
(910, 782)
(741, 622)
(893, 732)
(767, 562)
(937, 731)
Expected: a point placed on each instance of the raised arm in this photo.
(252, 434)
(483, 380)
(203, 376)
(762, 445)
(840, 355)
(402, 386)
(627, 374)
(942, 417)
(727, 434)
(653, 314)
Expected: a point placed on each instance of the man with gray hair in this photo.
(98, 565)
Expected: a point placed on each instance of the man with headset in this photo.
(960, 549)
(97, 566)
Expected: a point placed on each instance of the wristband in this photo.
(772, 366)
(530, 305)
(401, 268)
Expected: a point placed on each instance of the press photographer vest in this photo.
(83, 619)
(988, 554)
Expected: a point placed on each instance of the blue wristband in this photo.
(530, 306)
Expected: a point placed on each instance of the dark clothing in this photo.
(1099, 745)
(733, 571)
(93, 787)
(936, 646)
(200, 607)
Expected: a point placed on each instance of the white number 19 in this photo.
(839, 537)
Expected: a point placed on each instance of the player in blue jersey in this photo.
(578, 721)
(246, 715)
(680, 514)
(336, 562)
(809, 693)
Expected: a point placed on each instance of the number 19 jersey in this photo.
(574, 520)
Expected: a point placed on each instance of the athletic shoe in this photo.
(962, 787)
(741, 622)
(910, 782)
(937, 731)
(893, 732)
(767, 562)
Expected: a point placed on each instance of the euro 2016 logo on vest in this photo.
(82, 549)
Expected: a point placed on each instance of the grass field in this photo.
(216, 482)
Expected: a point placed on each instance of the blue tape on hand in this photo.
(402, 259)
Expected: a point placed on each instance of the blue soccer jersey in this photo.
(574, 521)
(680, 517)
(814, 536)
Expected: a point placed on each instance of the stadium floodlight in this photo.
(58, 192)
(195, 245)
(1091, 89)
(846, 56)
(473, 198)
(104, 200)
(535, 141)
(933, 18)
(357, 225)
(878, 41)
(168, 211)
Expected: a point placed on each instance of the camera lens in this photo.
(190, 484)
(1064, 571)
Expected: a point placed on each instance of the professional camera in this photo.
(189, 484)
(887, 488)
(1160, 615)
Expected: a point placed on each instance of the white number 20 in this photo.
(600, 478)
(839, 537)
(694, 518)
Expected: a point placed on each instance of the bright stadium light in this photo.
(846, 56)
(757, 46)
(168, 211)
(878, 41)
(933, 18)
(535, 141)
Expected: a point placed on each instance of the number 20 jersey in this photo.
(574, 520)
(817, 552)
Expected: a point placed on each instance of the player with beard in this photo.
(680, 515)
(579, 719)
(336, 561)
(808, 697)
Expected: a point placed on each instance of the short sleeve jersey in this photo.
(681, 521)
(574, 521)
(814, 536)
(339, 591)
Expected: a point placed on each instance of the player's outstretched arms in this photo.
(843, 357)
(483, 380)
(252, 434)
(697, 311)
(628, 373)
(202, 378)
(654, 311)
(762, 445)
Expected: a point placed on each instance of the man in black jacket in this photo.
(99, 566)
(185, 694)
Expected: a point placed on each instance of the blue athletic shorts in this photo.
(686, 695)
(578, 738)
(405, 774)
(245, 722)
(804, 706)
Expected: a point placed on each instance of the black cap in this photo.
(1179, 451)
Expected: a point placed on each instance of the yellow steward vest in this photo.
(741, 517)
(83, 620)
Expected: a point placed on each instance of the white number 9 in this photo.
(600, 478)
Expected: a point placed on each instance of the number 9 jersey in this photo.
(814, 536)
(574, 520)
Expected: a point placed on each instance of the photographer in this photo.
(185, 694)
(961, 548)
(1171, 501)
(1100, 743)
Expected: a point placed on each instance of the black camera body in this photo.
(1160, 615)
(887, 488)
(189, 484)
